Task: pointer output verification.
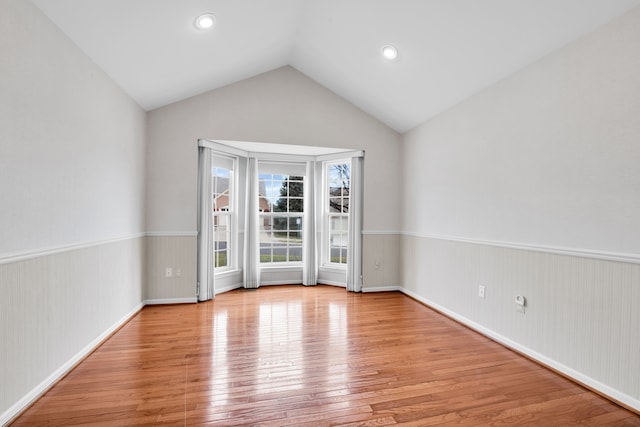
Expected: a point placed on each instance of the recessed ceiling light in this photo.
(205, 21)
(389, 52)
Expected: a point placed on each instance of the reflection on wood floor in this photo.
(317, 356)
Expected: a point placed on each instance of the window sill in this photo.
(332, 267)
(283, 267)
(226, 273)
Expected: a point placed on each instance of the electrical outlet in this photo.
(481, 291)
(521, 303)
(168, 272)
(178, 272)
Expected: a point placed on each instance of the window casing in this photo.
(224, 213)
(281, 213)
(337, 184)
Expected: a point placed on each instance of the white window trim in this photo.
(292, 265)
(232, 213)
(325, 257)
(245, 151)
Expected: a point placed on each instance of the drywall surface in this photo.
(71, 142)
(548, 157)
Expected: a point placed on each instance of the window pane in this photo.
(265, 238)
(295, 223)
(266, 222)
(222, 239)
(335, 176)
(339, 183)
(335, 204)
(279, 224)
(337, 240)
(222, 174)
(337, 187)
(339, 223)
(279, 253)
(281, 234)
(265, 254)
(221, 189)
(295, 253)
(280, 205)
(296, 204)
(295, 237)
(220, 259)
(343, 254)
(296, 188)
(283, 241)
(345, 204)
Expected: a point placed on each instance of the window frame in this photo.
(230, 213)
(288, 215)
(327, 217)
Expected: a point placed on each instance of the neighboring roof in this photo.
(449, 49)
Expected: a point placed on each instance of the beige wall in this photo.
(72, 165)
(548, 156)
(72, 144)
(545, 164)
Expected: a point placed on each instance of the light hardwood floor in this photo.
(317, 356)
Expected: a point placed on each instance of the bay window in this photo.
(267, 218)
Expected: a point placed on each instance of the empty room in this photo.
(319, 212)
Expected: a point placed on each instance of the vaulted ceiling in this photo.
(448, 49)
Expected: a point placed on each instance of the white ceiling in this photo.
(449, 49)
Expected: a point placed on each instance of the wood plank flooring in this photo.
(311, 356)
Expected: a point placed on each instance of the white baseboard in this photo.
(579, 377)
(381, 289)
(45, 385)
(189, 300)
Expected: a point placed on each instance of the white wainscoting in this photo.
(581, 316)
(177, 251)
(332, 276)
(55, 308)
(381, 266)
(380, 260)
(228, 281)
